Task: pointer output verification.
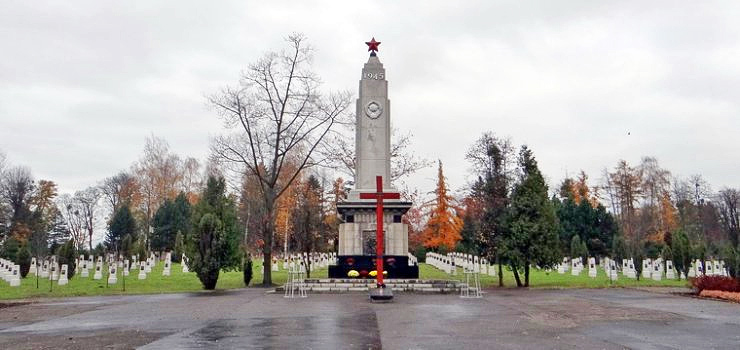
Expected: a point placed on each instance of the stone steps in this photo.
(398, 285)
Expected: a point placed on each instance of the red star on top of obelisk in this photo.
(372, 45)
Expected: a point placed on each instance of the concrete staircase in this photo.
(327, 285)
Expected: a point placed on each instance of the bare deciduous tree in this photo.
(158, 173)
(729, 201)
(341, 154)
(626, 185)
(17, 189)
(278, 114)
(119, 188)
(73, 218)
(85, 205)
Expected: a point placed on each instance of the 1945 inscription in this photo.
(374, 76)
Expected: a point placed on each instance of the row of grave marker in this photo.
(51, 269)
(654, 269)
(293, 262)
(450, 262)
(10, 272)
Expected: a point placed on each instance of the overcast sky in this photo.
(583, 83)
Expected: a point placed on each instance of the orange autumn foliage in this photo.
(444, 224)
(580, 191)
(668, 214)
(719, 294)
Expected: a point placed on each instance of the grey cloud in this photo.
(82, 86)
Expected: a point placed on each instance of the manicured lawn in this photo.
(188, 282)
(552, 279)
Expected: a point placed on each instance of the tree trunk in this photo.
(500, 271)
(526, 274)
(308, 266)
(268, 231)
(516, 275)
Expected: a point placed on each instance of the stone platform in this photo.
(332, 285)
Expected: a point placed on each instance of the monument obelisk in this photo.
(357, 231)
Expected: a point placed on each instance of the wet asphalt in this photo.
(254, 319)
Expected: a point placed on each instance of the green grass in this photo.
(154, 283)
(188, 282)
(552, 279)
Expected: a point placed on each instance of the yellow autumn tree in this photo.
(442, 230)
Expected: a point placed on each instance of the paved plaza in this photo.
(252, 318)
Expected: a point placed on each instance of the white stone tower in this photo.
(372, 148)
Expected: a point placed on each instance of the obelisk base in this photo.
(384, 294)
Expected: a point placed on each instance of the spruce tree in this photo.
(532, 234)
(213, 242)
(121, 224)
(172, 217)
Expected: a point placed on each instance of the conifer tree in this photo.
(172, 217)
(490, 157)
(531, 237)
(213, 242)
(443, 227)
(122, 223)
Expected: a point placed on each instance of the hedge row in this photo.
(719, 283)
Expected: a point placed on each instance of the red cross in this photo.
(379, 196)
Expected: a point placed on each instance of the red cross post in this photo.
(379, 196)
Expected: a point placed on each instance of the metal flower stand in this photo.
(471, 278)
(296, 281)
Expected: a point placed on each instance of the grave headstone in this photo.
(647, 268)
(142, 270)
(699, 268)
(84, 273)
(625, 267)
(45, 269)
(54, 272)
(15, 276)
(98, 270)
(112, 273)
(657, 273)
(184, 262)
(631, 272)
(670, 273)
(592, 267)
(613, 270)
(167, 267)
(574, 267)
(63, 275)
(54, 275)
(692, 270)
